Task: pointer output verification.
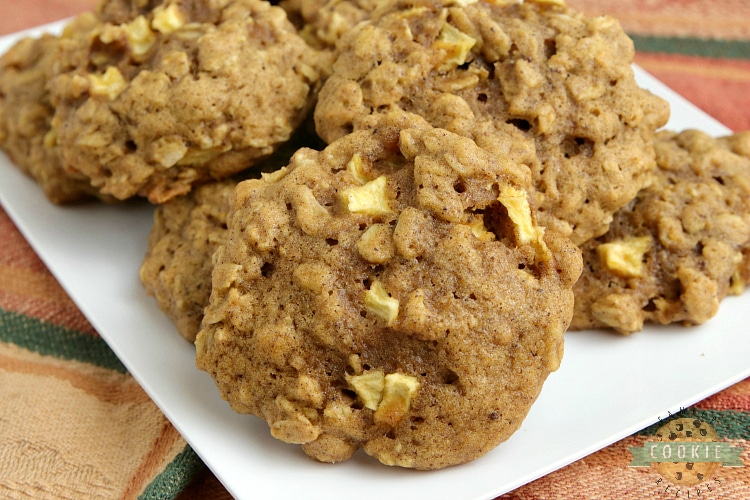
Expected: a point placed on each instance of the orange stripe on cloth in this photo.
(27, 287)
(719, 19)
(14, 250)
(37, 294)
(105, 385)
(163, 450)
(719, 87)
(32, 284)
(606, 474)
(736, 397)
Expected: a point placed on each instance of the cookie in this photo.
(185, 93)
(536, 81)
(25, 120)
(679, 248)
(739, 143)
(176, 269)
(392, 292)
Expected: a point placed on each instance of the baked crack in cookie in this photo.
(535, 81)
(392, 292)
(680, 247)
(186, 92)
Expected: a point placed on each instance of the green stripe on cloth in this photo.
(729, 424)
(52, 340)
(705, 47)
(177, 475)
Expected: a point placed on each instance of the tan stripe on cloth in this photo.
(72, 430)
(31, 284)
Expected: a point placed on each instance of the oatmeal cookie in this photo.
(186, 92)
(739, 143)
(25, 119)
(176, 269)
(392, 292)
(536, 81)
(677, 250)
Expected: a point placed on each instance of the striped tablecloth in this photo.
(74, 424)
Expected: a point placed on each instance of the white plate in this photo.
(608, 387)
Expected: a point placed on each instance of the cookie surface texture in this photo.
(392, 292)
(739, 144)
(535, 81)
(184, 93)
(679, 248)
(323, 22)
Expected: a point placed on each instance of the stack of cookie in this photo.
(399, 280)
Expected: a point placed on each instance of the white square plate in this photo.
(608, 387)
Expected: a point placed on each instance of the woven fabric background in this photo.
(74, 423)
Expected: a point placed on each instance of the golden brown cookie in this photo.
(25, 116)
(176, 269)
(739, 143)
(536, 81)
(679, 248)
(184, 93)
(392, 292)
